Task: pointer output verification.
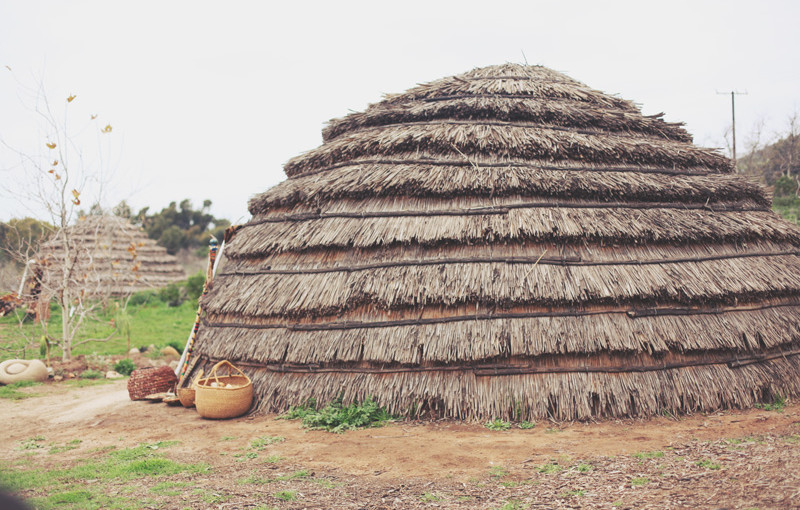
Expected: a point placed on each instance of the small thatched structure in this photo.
(107, 256)
(509, 243)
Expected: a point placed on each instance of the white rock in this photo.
(134, 350)
(113, 375)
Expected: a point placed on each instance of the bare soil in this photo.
(732, 459)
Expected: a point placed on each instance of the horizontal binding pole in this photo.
(509, 164)
(633, 314)
(505, 209)
(488, 370)
(498, 123)
(547, 261)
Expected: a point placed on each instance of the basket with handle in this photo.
(223, 396)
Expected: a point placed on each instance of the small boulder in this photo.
(17, 370)
(173, 364)
(58, 378)
(111, 374)
(170, 352)
(133, 351)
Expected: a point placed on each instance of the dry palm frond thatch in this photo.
(510, 243)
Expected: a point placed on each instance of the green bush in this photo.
(194, 286)
(173, 294)
(785, 186)
(143, 297)
(91, 374)
(124, 366)
(176, 345)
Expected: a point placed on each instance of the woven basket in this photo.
(150, 380)
(187, 394)
(221, 402)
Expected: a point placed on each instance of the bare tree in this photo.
(54, 183)
(789, 156)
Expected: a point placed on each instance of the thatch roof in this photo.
(108, 256)
(509, 243)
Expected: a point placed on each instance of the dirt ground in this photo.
(732, 459)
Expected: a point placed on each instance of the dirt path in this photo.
(446, 456)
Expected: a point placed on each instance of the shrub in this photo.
(785, 186)
(91, 374)
(194, 286)
(176, 345)
(143, 297)
(124, 366)
(173, 294)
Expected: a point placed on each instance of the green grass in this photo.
(11, 391)
(261, 443)
(338, 418)
(83, 383)
(584, 468)
(526, 425)
(708, 464)
(550, 468)
(498, 472)
(639, 481)
(254, 480)
(512, 505)
(72, 445)
(212, 498)
(648, 455)
(64, 487)
(169, 488)
(572, 494)
(153, 322)
(286, 495)
(430, 497)
(498, 425)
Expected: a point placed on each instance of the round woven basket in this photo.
(187, 396)
(223, 396)
(150, 380)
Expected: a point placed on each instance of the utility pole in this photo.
(733, 118)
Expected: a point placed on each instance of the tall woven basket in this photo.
(150, 380)
(223, 396)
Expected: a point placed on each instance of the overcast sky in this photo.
(209, 100)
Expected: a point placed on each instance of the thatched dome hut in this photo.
(108, 256)
(510, 243)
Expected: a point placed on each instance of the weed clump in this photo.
(498, 425)
(777, 405)
(338, 418)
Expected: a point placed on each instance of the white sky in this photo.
(209, 99)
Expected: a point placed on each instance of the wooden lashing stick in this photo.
(187, 351)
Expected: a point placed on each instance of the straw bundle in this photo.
(509, 243)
